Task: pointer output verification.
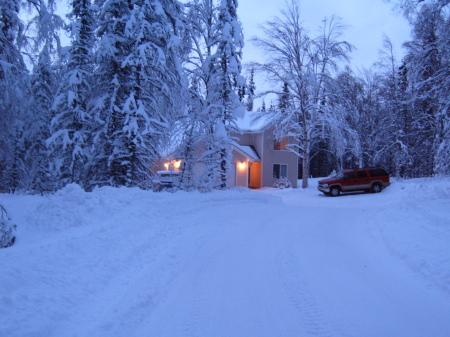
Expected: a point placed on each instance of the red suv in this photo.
(364, 179)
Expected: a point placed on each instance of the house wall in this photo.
(272, 156)
(231, 178)
(255, 139)
(240, 165)
(261, 174)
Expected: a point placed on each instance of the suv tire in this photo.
(335, 191)
(376, 188)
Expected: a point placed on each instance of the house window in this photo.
(279, 171)
(280, 144)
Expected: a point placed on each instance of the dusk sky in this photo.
(367, 21)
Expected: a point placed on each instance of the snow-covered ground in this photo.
(126, 262)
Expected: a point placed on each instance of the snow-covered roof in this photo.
(252, 121)
(247, 151)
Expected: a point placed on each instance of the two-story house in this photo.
(257, 158)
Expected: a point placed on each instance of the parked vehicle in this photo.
(168, 180)
(364, 179)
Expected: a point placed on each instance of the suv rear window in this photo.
(378, 173)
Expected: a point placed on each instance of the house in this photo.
(257, 157)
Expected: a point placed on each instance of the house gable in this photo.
(259, 135)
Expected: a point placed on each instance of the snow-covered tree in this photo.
(427, 72)
(228, 76)
(72, 123)
(395, 150)
(13, 88)
(44, 79)
(284, 98)
(7, 229)
(340, 142)
(192, 132)
(251, 88)
(199, 63)
(305, 64)
(37, 125)
(263, 106)
(442, 161)
(213, 66)
(422, 64)
(139, 85)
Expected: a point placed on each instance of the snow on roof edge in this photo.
(253, 121)
(247, 151)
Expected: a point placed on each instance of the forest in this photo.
(141, 75)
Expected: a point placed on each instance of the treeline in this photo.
(401, 107)
(101, 111)
(140, 75)
(395, 115)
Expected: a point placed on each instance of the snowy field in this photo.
(125, 262)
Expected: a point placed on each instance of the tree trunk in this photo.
(305, 160)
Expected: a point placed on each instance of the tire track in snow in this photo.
(299, 294)
(273, 285)
(210, 279)
(232, 284)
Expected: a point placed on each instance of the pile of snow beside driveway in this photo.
(269, 262)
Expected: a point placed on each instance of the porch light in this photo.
(166, 165)
(242, 165)
(177, 164)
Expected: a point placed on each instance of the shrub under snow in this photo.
(7, 229)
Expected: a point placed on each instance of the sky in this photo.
(367, 21)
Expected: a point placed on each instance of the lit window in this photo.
(281, 144)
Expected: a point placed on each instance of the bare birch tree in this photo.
(306, 65)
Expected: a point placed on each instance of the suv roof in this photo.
(363, 168)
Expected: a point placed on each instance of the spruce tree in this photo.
(13, 88)
(37, 126)
(72, 124)
(228, 76)
(283, 101)
(251, 90)
(140, 81)
(44, 81)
